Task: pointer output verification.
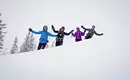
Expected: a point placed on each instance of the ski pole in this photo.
(53, 43)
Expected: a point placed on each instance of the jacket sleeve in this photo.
(73, 34)
(85, 28)
(52, 35)
(53, 28)
(68, 33)
(83, 33)
(39, 32)
(98, 33)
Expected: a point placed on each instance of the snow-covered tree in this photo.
(29, 44)
(2, 26)
(15, 46)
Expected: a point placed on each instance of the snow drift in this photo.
(85, 60)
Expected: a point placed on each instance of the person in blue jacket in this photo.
(44, 37)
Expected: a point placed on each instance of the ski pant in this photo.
(41, 46)
(59, 43)
(77, 40)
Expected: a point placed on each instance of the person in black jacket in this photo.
(60, 35)
(91, 32)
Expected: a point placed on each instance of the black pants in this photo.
(59, 43)
(41, 46)
(77, 40)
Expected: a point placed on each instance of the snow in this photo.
(101, 58)
(86, 60)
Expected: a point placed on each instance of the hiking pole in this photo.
(53, 43)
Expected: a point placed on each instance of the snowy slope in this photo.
(86, 60)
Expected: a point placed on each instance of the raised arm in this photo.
(35, 32)
(68, 33)
(98, 33)
(83, 33)
(52, 35)
(39, 32)
(73, 34)
(54, 29)
(85, 28)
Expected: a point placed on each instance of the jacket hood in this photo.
(45, 27)
(78, 29)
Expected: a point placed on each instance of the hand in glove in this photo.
(72, 31)
(30, 29)
(102, 34)
(52, 27)
(82, 26)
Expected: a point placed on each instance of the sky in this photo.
(110, 17)
(108, 53)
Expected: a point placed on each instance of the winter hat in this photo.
(93, 26)
(77, 28)
(46, 27)
(62, 28)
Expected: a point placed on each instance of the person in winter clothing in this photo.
(91, 32)
(60, 35)
(44, 37)
(78, 34)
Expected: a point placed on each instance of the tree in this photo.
(29, 44)
(2, 34)
(15, 46)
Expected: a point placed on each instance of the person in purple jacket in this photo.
(78, 34)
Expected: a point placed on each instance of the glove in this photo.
(72, 31)
(102, 34)
(52, 27)
(47, 41)
(30, 29)
(82, 26)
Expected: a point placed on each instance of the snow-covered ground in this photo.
(86, 60)
(101, 58)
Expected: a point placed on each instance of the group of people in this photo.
(61, 33)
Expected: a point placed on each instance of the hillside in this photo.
(86, 60)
